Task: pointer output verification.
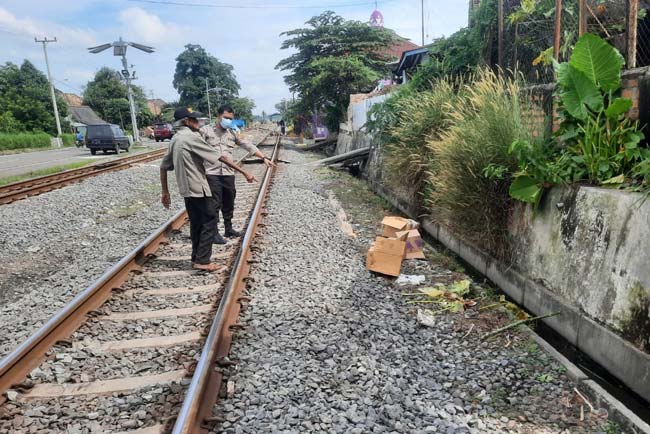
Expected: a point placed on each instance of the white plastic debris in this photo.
(426, 318)
(410, 279)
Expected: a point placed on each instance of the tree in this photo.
(107, 94)
(330, 44)
(243, 108)
(193, 66)
(288, 109)
(25, 100)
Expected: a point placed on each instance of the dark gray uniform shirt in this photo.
(187, 156)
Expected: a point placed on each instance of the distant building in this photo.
(156, 105)
(72, 100)
(80, 116)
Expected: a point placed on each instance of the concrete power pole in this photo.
(119, 49)
(45, 41)
(207, 95)
(134, 120)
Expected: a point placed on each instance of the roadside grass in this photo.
(24, 150)
(50, 170)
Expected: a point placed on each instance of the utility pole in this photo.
(128, 77)
(45, 41)
(422, 1)
(119, 49)
(207, 94)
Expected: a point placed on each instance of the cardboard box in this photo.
(385, 256)
(414, 244)
(391, 225)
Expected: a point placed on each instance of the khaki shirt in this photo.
(187, 155)
(225, 142)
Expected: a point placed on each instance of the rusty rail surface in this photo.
(35, 186)
(204, 389)
(28, 355)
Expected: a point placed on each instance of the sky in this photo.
(245, 34)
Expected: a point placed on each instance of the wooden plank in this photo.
(149, 314)
(103, 386)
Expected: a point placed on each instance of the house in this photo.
(156, 106)
(409, 61)
(81, 116)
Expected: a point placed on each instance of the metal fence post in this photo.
(632, 15)
(558, 30)
(500, 32)
(582, 17)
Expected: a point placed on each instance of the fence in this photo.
(531, 33)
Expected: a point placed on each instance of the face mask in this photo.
(226, 123)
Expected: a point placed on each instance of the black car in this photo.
(106, 137)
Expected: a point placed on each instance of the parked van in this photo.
(106, 137)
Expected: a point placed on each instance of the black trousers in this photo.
(202, 223)
(223, 196)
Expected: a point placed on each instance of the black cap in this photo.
(186, 112)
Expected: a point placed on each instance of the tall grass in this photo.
(422, 117)
(485, 120)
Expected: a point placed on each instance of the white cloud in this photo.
(146, 27)
(66, 35)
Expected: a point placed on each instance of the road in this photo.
(19, 164)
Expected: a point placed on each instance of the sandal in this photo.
(206, 267)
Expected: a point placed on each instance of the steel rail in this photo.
(31, 187)
(28, 355)
(203, 390)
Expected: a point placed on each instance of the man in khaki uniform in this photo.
(187, 155)
(221, 177)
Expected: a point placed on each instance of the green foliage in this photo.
(335, 78)
(464, 51)
(596, 142)
(288, 109)
(25, 100)
(333, 58)
(243, 107)
(485, 120)
(24, 140)
(193, 66)
(68, 140)
(421, 117)
(107, 95)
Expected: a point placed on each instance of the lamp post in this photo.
(119, 49)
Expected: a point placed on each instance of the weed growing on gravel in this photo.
(612, 428)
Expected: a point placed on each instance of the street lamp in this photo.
(119, 49)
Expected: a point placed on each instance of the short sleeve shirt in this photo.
(225, 141)
(187, 156)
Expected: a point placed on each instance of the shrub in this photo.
(485, 121)
(68, 139)
(421, 117)
(24, 140)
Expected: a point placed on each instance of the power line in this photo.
(254, 6)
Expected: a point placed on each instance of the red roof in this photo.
(395, 52)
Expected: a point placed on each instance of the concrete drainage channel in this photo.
(118, 356)
(615, 351)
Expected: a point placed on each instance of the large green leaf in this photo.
(577, 92)
(618, 107)
(526, 189)
(598, 60)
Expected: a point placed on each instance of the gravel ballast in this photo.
(55, 244)
(330, 348)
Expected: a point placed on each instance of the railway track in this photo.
(136, 351)
(31, 187)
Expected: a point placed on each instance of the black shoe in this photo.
(231, 233)
(218, 239)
